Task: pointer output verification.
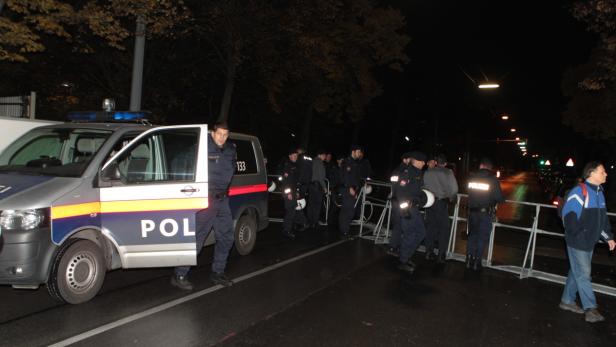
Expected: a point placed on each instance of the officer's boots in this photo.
(477, 264)
(181, 282)
(469, 261)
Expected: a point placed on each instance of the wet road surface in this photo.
(315, 290)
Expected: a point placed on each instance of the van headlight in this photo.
(23, 219)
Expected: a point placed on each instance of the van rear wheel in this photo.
(78, 272)
(245, 234)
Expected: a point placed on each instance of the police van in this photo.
(110, 191)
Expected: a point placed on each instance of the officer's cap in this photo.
(406, 155)
(292, 150)
(322, 151)
(417, 155)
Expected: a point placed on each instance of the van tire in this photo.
(78, 272)
(245, 234)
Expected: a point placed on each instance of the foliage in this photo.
(25, 23)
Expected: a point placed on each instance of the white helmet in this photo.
(429, 198)
(271, 187)
(301, 203)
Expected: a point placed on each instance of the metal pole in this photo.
(534, 233)
(454, 227)
(32, 109)
(491, 246)
(361, 215)
(137, 81)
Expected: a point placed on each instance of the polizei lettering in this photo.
(167, 227)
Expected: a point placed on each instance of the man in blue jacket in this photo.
(586, 221)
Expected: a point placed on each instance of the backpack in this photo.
(560, 201)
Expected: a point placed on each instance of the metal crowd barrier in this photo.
(380, 232)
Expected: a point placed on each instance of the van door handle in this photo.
(189, 190)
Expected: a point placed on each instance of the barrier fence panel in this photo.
(277, 194)
(523, 232)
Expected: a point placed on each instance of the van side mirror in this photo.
(111, 173)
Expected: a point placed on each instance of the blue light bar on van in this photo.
(117, 116)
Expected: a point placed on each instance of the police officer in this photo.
(484, 193)
(221, 166)
(442, 183)
(354, 172)
(396, 238)
(410, 197)
(292, 195)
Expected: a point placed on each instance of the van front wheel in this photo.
(78, 272)
(245, 234)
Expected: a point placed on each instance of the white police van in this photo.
(79, 199)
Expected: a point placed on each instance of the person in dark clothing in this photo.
(353, 176)
(316, 190)
(409, 197)
(294, 199)
(395, 238)
(217, 216)
(586, 221)
(442, 183)
(484, 193)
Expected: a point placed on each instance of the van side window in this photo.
(246, 161)
(161, 157)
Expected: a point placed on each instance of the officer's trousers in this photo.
(217, 216)
(291, 216)
(347, 212)
(395, 239)
(413, 232)
(315, 203)
(437, 227)
(480, 228)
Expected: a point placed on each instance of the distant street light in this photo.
(504, 117)
(488, 85)
(513, 130)
(407, 139)
(292, 135)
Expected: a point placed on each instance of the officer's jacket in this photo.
(289, 173)
(354, 172)
(484, 190)
(395, 178)
(408, 185)
(221, 165)
(585, 217)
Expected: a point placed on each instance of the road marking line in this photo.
(179, 301)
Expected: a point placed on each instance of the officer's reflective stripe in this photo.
(404, 205)
(255, 188)
(478, 186)
(66, 211)
(576, 197)
(604, 234)
(287, 191)
(394, 178)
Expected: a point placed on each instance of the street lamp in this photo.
(504, 117)
(489, 85)
(513, 130)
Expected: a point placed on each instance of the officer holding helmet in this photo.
(294, 201)
(484, 193)
(355, 170)
(409, 195)
(221, 166)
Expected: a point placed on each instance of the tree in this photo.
(23, 23)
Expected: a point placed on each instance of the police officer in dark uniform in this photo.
(294, 199)
(352, 177)
(484, 193)
(395, 238)
(221, 166)
(408, 191)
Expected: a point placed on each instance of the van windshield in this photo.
(63, 152)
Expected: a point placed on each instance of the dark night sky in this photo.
(524, 45)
